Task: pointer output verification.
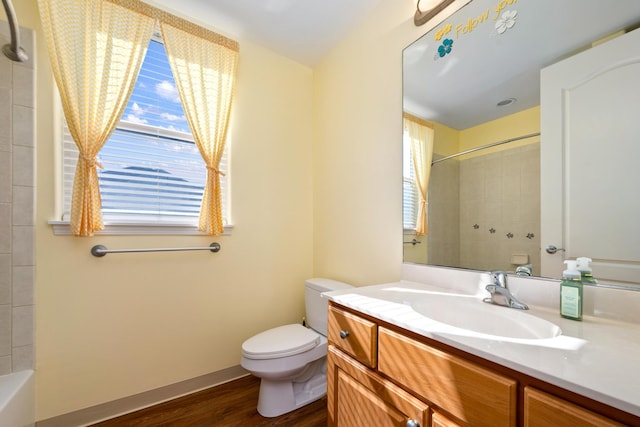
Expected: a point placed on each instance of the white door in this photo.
(590, 160)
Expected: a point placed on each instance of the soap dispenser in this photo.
(571, 292)
(584, 267)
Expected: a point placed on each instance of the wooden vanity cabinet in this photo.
(378, 375)
(360, 351)
(357, 396)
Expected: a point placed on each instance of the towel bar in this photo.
(101, 250)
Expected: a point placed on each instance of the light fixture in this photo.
(506, 102)
(435, 6)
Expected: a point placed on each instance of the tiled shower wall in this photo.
(17, 206)
(444, 213)
(500, 209)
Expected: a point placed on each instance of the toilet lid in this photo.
(280, 342)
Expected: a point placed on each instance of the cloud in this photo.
(132, 118)
(137, 109)
(168, 91)
(172, 117)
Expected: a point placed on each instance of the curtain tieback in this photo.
(216, 170)
(91, 162)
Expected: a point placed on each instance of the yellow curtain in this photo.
(205, 74)
(421, 135)
(96, 50)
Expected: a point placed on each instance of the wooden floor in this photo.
(230, 404)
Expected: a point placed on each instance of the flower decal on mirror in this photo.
(506, 21)
(445, 47)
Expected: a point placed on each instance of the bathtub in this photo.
(17, 399)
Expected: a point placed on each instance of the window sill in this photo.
(61, 228)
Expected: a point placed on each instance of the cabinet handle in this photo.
(413, 423)
(344, 334)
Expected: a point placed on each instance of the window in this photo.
(410, 197)
(152, 170)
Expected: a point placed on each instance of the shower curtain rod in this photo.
(471, 150)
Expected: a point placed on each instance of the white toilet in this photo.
(291, 359)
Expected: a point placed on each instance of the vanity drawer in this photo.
(353, 335)
(469, 392)
(542, 409)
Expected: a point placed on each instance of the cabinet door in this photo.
(463, 389)
(589, 152)
(358, 397)
(543, 410)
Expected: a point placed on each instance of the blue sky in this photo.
(155, 100)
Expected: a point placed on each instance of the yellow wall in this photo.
(358, 152)
(446, 141)
(511, 126)
(110, 327)
(316, 189)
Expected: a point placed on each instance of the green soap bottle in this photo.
(571, 292)
(584, 267)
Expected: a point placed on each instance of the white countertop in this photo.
(596, 357)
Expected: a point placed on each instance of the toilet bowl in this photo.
(290, 360)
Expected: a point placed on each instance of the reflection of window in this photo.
(152, 170)
(410, 196)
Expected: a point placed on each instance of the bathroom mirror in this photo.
(475, 80)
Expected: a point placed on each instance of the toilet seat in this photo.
(283, 341)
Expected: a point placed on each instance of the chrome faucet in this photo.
(500, 295)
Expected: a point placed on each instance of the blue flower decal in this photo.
(445, 47)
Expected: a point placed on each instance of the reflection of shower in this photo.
(13, 51)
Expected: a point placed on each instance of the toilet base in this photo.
(279, 397)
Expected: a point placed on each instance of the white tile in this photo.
(23, 166)
(22, 330)
(23, 125)
(6, 176)
(5, 142)
(23, 206)
(22, 282)
(5, 112)
(5, 228)
(5, 365)
(5, 279)
(23, 245)
(5, 71)
(5, 330)
(23, 86)
(22, 358)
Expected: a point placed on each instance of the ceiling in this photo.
(302, 30)
(462, 88)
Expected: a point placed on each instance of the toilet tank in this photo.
(315, 305)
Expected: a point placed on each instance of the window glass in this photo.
(410, 196)
(152, 169)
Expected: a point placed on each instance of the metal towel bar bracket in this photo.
(101, 250)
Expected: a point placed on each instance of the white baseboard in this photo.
(105, 411)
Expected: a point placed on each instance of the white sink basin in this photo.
(471, 314)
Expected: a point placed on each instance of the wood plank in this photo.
(230, 404)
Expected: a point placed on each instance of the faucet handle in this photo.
(499, 278)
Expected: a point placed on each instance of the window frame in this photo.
(409, 180)
(134, 224)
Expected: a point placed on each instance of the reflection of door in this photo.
(590, 153)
